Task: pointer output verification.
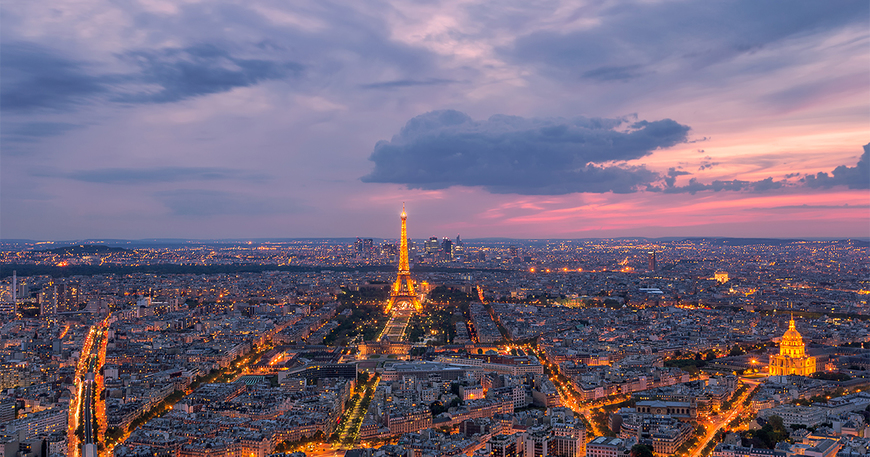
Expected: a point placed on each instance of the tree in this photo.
(771, 433)
(641, 450)
(831, 376)
(437, 408)
(776, 423)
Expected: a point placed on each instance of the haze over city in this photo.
(159, 119)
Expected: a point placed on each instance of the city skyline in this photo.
(559, 120)
(581, 347)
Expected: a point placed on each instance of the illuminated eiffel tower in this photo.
(404, 295)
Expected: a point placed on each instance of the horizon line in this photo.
(494, 238)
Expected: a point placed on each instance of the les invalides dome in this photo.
(792, 358)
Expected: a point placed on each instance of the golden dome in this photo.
(792, 344)
(792, 336)
(792, 357)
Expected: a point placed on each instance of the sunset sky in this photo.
(552, 119)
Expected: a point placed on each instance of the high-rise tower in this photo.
(403, 294)
(15, 292)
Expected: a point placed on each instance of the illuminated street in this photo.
(737, 409)
(88, 403)
(350, 425)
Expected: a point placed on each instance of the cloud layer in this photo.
(857, 177)
(34, 77)
(512, 154)
(205, 202)
(555, 156)
(158, 175)
(205, 69)
(675, 40)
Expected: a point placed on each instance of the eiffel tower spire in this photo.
(404, 267)
(403, 293)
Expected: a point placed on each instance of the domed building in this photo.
(792, 358)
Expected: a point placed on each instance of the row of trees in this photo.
(364, 321)
(729, 403)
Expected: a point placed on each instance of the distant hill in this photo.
(167, 269)
(769, 241)
(9, 244)
(744, 241)
(84, 249)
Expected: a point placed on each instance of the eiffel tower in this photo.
(403, 295)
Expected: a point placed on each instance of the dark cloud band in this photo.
(554, 156)
(33, 77)
(857, 177)
(153, 175)
(206, 203)
(200, 70)
(511, 154)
